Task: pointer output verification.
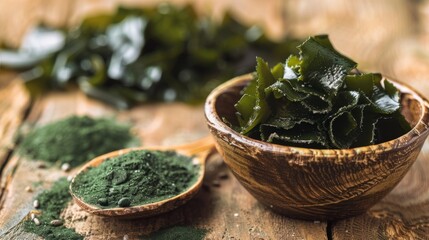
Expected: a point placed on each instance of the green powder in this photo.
(179, 233)
(135, 178)
(52, 202)
(75, 140)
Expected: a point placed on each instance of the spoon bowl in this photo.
(200, 150)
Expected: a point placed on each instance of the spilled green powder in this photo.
(135, 178)
(179, 233)
(52, 202)
(75, 140)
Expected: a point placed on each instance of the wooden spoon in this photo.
(200, 150)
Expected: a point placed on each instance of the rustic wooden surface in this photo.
(391, 36)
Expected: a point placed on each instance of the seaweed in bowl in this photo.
(319, 100)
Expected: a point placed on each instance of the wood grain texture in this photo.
(13, 106)
(315, 184)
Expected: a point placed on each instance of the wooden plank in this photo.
(228, 211)
(13, 106)
(14, 101)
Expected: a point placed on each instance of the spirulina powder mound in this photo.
(52, 202)
(135, 178)
(75, 140)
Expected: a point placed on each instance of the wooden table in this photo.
(228, 211)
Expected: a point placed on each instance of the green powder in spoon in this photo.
(136, 178)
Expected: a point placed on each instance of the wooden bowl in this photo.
(315, 184)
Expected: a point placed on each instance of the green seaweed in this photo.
(163, 53)
(319, 102)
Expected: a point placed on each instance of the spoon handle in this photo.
(203, 148)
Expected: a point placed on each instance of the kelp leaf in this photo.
(391, 90)
(346, 100)
(311, 139)
(278, 71)
(284, 89)
(247, 102)
(322, 66)
(382, 102)
(291, 67)
(358, 113)
(363, 83)
(390, 127)
(403, 123)
(367, 131)
(299, 86)
(341, 128)
(293, 62)
(294, 110)
(317, 104)
(265, 78)
(316, 101)
(245, 108)
(284, 123)
(260, 110)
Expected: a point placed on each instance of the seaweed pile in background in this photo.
(164, 53)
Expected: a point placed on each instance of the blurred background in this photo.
(388, 36)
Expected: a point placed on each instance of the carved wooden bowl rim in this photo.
(315, 155)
